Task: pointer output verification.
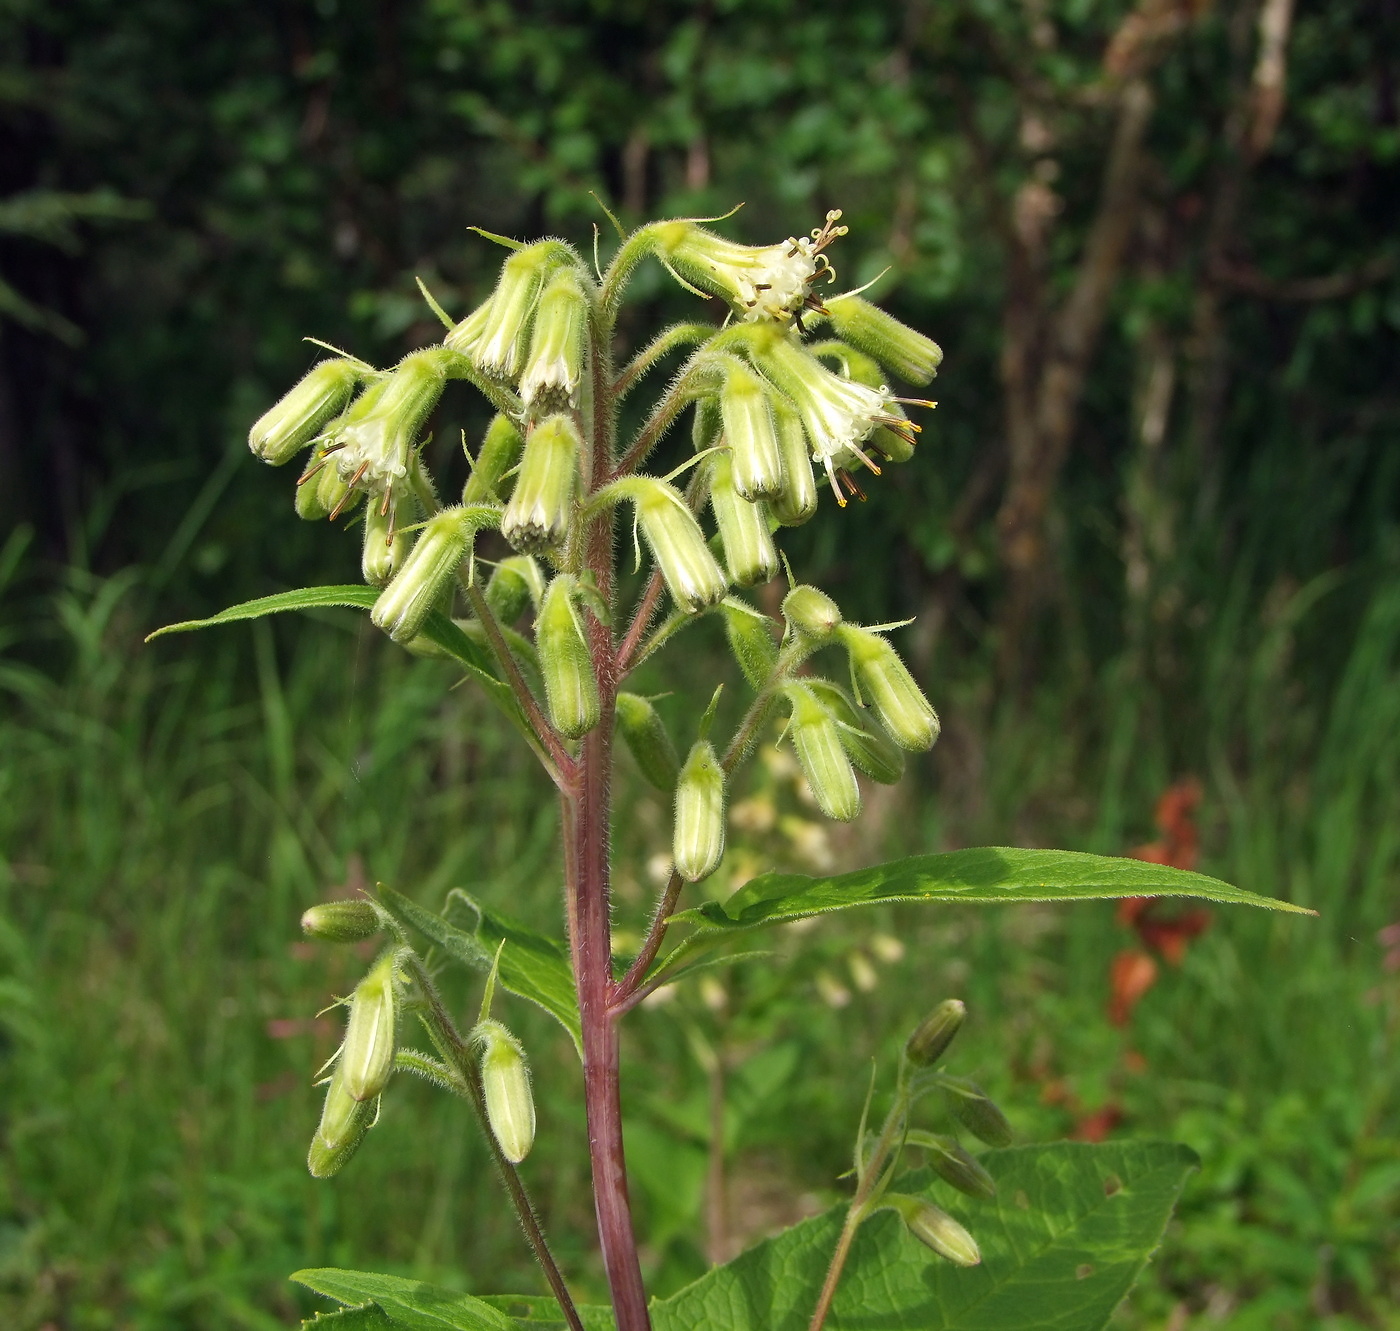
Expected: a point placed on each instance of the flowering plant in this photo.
(778, 412)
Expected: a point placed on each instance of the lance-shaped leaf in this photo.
(369, 1318)
(990, 874)
(406, 1303)
(1071, 1228)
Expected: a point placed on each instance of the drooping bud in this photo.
(749, 552)
(750, 432)
(797, 501)
(542, 503)
(897, 347)
(281, 432)
(693, 577)
(698, 837)
(499, 348)
(377, 434)
(868, 747)
(953, 1164)
(646, 736)
(935, 1229)
(384, 547)
(367, 1056)
(505, 1079)
(811, 611)
(972, 1107)
(751, 640)
(935, 1033)
(344, 1122)
(516, 583)
(826, 766)
(555, 363)
(571, 691)
(499, 452)
(885, 679)
(341, 921)
(426, 574)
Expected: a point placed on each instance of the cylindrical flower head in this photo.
(751, 640)
(499, 348)
(555, 363)
(697, 844)
(344, 1122)
(280, 433)
(894, 442)
(499, 452)
(935, 1229)
(383, 548)
(954, 1165)
(885, 679)
(825, 764)
(693, 577)
(515, 584)
(646, 736)
(935, 1033)
(367, 1056)
(542, 503)
(897, 347)
(750, 432)
(427, 572)
(749, 552)
(811, 611)
(505, 1078)
(570, 689)
(341, 921)
(464, 337)
(377, 434)
(867, 746)
(797, 501)
(973, 1108)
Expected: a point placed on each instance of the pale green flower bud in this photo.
(885, 679)
(750, 432)
(464, 337)
(935, 1229)
(646, 736)
(515, 584)
(500, 451)
(555, 363)
(341, 921)
(897, 347)
(383, 548)
(972, 1107)
(426, 574)
(749, 552)
(376, 436)
(817, 741)
(693, 577)
(953, 1164)
(344, 1122)
(542, 504)
(499, 349)
(571, 691)
(797, 501)
(935, 1033)
(751, 640)
(698, 838)
(811, 611)
(280, 433)
(505, 1079)
(367, 1055)
(867, 746)
(333, 498)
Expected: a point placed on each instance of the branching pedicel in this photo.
(773, 415)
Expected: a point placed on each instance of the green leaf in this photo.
(533, 966)
(988, 874)
(1071, 1228)
(406, 1303)
(369, 1318)
(539, 1312)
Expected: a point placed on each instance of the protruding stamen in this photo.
(855, 489)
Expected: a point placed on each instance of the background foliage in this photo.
(1151, 532)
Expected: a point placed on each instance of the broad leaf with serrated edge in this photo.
(1069, 1231)
(987, 874)
(406, 1303)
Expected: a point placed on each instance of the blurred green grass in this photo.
(166, 812)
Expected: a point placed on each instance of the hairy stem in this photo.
(651, 945)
